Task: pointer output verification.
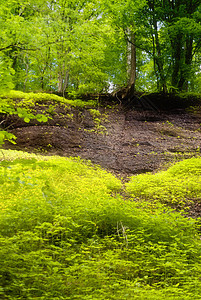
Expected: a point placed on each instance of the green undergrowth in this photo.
(178, 185)
(189, 95)
(33, 98)
(67, 233)
(40, 107)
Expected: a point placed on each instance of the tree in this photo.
(125, 19)
(183, 27)
(175, 30)
(70, 41)
(91, 46)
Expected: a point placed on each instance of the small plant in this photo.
(95, 113)
(98, 118)
(169, 129)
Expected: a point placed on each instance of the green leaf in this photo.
(26, 119)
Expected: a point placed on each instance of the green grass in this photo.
(67, 233)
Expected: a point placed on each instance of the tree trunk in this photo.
(131, 66)
(185, 71)
(155, 65)
(132, 76)
(158, 58)
(176, 57)
(63, 78)
(60, 82)
(26, 62)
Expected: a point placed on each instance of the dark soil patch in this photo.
(133, 141)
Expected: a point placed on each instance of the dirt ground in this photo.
(129, 141)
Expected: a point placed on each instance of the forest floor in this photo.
(128, 142)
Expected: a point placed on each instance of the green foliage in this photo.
(31, 99)
(23, 105)
(46, 45)
(177, 185)
(6, 136)
(189, 95)
(66, 233)
(98, 117)
(6, 74)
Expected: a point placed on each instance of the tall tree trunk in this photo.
(26, 62)
(63, 78)
(155, 65)
(131, 64)
(60, 82)
(158, 57)
(132, 77)
(176, 57)
(66, 79)
(185, 71)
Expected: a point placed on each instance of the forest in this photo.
(99, 46)
(100, 142)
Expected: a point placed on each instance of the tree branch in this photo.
(22, 47)
(16, 46)
(129, 41)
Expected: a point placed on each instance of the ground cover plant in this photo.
(34, 98)
(36, 106)
(67, 233)
(177, 185)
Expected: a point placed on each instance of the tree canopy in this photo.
(96, 46)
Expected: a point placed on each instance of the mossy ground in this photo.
(67, 233)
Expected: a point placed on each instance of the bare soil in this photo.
(132, 141)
